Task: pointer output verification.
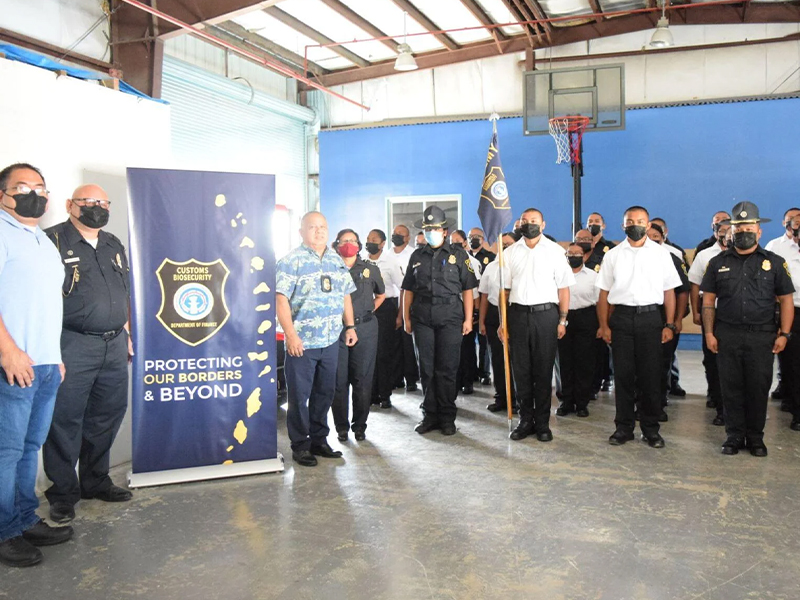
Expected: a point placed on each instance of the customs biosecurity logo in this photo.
(193, 304)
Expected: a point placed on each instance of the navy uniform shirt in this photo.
(746, 285)
(439, 272)
(680, 267)
(599, 252)
(484, 257)
(96, 288)
(369, 283)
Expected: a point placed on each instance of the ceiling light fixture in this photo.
(405, 60)
(662, 36)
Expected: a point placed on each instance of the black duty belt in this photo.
(437, 299)
(637, 309)
(531, 308)
(106, 336)
(365, 319)
(744, 327)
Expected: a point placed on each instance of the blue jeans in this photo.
(310, 385)
(25, 415)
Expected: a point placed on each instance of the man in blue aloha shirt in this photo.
(313, 303)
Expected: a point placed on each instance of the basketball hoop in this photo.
(568, 132)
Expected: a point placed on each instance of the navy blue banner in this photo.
(494, 208)
(203, 302)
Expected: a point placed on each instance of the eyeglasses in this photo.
(25, 190)
(91, 202)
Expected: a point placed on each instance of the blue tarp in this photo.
(38, 60)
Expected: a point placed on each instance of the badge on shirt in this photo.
(119, 261)
(597, 268)
(486, 260)
(366, 273)
(605, 248)
(415, 265)
(766, 265)
(325, 283)
(452, 259)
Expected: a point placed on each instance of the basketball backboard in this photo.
(596, 92)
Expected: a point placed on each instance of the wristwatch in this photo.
(788, 335)
(564, 322)
(671, 327)
(349, 327)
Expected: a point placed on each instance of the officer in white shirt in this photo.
(468, 366)
(636, 278)
(791, 355)
(696, 273)
(538, 275)
(407, 359)
(489, 322)
(389, 317)
(577, 350)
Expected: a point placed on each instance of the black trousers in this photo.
(604, 368)
(89, 409)
(636, 347)
(668, 360)
(498, 363)
(577, 352)
(745, 372)
(791, 360)
(390, 347)
(437, 337)
(484, 357)
(357, 369)
(712, 375)
(533, 337)
(468, 365)
(407, 361)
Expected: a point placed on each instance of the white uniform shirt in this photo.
(793, 260)
(672, 249)
(402, 258)
(585, 291)
(637, 276)
(783, 246)
(700, 264)
(534, 275)
(476, 266)
(490, 282)
(390, 271)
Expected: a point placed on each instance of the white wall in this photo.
(495, 84)
(59, 22)
(80, 132)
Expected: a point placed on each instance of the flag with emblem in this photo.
(494, 208)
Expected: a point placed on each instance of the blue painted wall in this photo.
(682, 163)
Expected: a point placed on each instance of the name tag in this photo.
(723, 269)
(72, 260)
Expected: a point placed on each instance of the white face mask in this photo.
(434, 238)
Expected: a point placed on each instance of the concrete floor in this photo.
(471, 516)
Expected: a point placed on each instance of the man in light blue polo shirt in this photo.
(313, 287)
(31, 276)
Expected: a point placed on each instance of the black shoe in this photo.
(663, 417)
(545, 435)
(620, 437)
(325, 451)
(758, 449)
(654, 441)
(496, 407)
(521, 431)
(342, 435)
(777, 393)
(62, 512)
(582, 412)
(304, 458)
(18, 552)
(606, 386)
(486, 381)
(112, 494)
(711, 403)
(399, 386)
(718, 421)
(564, 410)
(515, 410)
(732, 447)
(786, 406)
(795, 426)
(427, 425)
(448, 428)
(386, 403)
(41, 534)
(411, 387)
(677, 391)
(468, 389)
(360, 436)
(593, 397)
(375, 402)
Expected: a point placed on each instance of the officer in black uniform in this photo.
(95, 346)
(739, 290)
(357, 363)
(715, 221)
(437, 310)
(596, 224)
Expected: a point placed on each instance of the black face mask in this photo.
(398, 240)
(585, 246)
(518, 232)
(723, 242)
(94, 217)
(475, 243)
(30, 205)
(636, 232)
(795, 232)
(372, 247)
(575, 261)
(530, 230)
(594, 229)
(744, 240)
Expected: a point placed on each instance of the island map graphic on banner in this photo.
(203, 318)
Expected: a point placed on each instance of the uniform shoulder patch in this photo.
(683, 266)
(468, 263)
(786, 268)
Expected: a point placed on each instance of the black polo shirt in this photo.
(746, 285)
(96, 299)
(484, 257)
(439, 272)
(598, 253)
(369, 283)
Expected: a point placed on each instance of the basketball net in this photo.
(567, 133)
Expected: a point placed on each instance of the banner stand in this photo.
(250, 467)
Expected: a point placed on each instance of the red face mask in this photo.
(347, 250)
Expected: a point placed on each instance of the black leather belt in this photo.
(106, 336)
(637, 309)
(365, 319)
(531, 308)
(437, 299)
(742, 327)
